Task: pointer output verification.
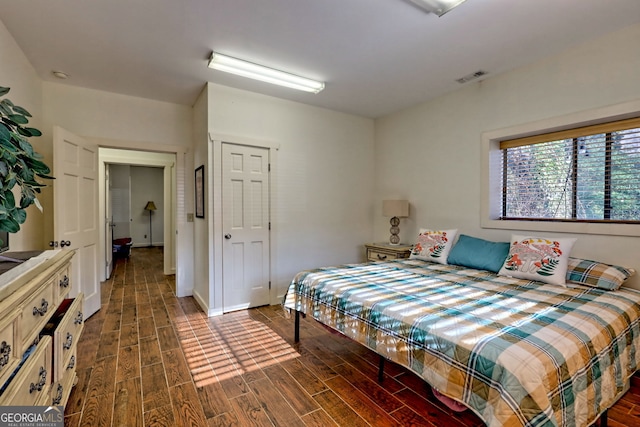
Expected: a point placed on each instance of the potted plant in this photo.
(19, 164)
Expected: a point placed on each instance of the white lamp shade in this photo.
(399, 208)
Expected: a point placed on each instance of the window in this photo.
(586, 174)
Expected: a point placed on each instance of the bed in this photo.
(517, 352)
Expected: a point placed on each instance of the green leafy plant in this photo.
(19, 164)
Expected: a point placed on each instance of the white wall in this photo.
(26, 90)
(120, 193)
(431, 153)
(201, 230)
(322, 211)
(147, 184)
(131, 188)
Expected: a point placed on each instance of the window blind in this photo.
(601, 128)
(585, 174)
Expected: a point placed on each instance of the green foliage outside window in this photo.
(592, 178)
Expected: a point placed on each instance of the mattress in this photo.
(517, 352)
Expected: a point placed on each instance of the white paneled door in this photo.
(75, 194)
(245, 222)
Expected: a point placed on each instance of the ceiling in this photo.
(376, 56)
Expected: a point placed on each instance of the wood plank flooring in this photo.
(148, 358)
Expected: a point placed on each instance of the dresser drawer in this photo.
(31, 385)
(32, 306)
(63, 282)
(35, 314)
(9, 358)
(67, 334)
(62, 387)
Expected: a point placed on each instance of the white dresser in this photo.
(39, 330)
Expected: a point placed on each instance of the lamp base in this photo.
(150, 230)
(394, 239)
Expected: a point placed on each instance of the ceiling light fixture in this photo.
(243, 68)
(438, 7)
(60, 74)
(472, 76)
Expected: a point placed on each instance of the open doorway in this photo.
(135, 200)
(138, 166)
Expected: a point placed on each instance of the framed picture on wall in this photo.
(200, 192)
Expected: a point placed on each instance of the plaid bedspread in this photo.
(518, 353)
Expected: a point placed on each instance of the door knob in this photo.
(53, 244)
(65, 243)
(227, 236)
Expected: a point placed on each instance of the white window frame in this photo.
(491, 169)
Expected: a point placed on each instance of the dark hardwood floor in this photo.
(148, 358)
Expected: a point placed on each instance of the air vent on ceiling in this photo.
(471, 76)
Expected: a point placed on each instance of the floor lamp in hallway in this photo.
(150, 207)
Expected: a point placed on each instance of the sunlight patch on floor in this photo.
(228, 350)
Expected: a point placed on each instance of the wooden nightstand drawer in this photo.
(386, 252)
(377, 255)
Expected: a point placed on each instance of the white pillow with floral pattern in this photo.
(433, 245)
(543, 259)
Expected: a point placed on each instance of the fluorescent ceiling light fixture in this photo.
(243, 68)
(439, 7)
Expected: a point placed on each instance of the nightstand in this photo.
(386, 251)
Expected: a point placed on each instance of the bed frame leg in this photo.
(381, 370)
(603, 418)
(296, 333)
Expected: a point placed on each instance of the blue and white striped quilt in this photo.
(517, 352)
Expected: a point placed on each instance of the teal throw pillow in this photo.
(478, 253)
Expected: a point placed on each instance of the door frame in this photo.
(105, 178)
(181, 258)
(214, 205)
(167, 162)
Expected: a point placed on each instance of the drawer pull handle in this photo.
(43, 379)
(64, 282)
(72, 363)
(382, 257)
(79, 318)
(58, 397)
(5, 353)
(44, 306)
(69, 342)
